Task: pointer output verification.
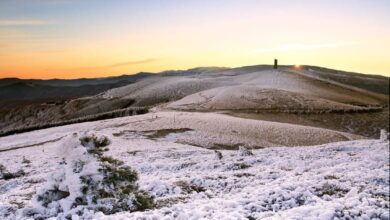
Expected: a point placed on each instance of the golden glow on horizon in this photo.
(225, 38)
(100, 62)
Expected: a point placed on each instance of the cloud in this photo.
(298, 46)
(23, 22)
(56, 1)
(107, 67)
(133, 63)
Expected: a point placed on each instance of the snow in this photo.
(347, 178)
(66, 179)
(161, 89)
(255, 97)
(281, 183)
(199, 129)
(384, 135)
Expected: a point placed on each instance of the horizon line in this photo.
(130, 74)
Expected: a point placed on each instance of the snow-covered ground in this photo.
(345, 179)
(160, 89)
(328, 181)
(256, 98)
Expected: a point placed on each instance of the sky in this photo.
(98, 38)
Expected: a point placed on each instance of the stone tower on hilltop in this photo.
(275, 63)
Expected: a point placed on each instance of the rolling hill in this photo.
(249, 92)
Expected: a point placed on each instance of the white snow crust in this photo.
(340, 180)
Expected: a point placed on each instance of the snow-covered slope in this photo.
(245, 97)
(256, 89)
(162, 88)
(317, 182)
(208, 130)
(278, 91)
(204, 165)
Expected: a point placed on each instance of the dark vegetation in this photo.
(102, 116)
(14, 89)
(188, 188)
(6, 175)
(331, 190)
(367, 124)
(218, 154)
(238, 166)
(31, 104)
(113, 189)
(155, 134)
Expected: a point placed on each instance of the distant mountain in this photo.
(77, 82)
(24, 91)
(14, 89)
(193, 71)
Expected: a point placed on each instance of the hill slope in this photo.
(14, 90)
(344, 179)
(279, 90)
(252, 90)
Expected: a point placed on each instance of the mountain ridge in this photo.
(259, 90)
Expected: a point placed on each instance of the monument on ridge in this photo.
(275, 63)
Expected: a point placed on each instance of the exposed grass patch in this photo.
(239, 175)
(218, 154)
(94, 117)
(238, 166)
(218, 146)
(6, 175)
(331, 190)
(331, 177)
(133, 153)
(155, 134)
(243, 151)
(189, 187)
(169, 201)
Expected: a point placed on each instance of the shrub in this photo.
(243, 151)
(6, 175)
(331, 190)
(25, 160)
(218, 154)
(188, 187)
(89, 182)
(237, 166)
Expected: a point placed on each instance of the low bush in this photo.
(6, 175)
(243, 151)
(218, 155)
(89, 182)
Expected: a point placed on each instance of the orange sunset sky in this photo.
(98, 38)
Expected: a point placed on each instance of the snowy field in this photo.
(342, 180)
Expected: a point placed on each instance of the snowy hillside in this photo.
(251, 89)
(258, 99)
(168, 88)
(175, 158)
(208, 130)
(217, 143)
